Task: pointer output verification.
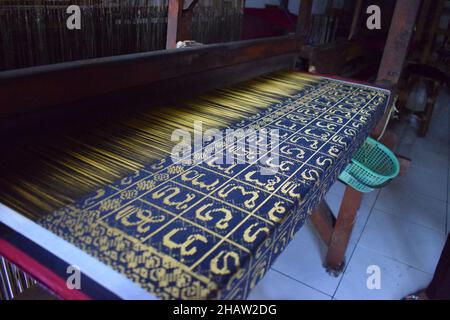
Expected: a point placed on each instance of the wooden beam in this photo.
(335, 260)
(185, 21)
(422, 21)
(179, 21)
(431, 32)
(355, 21)
(324, 221)
(396, 47)
(304, 20)
(173, 17)
(59, 119)
(58, 84)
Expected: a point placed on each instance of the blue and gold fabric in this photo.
(208, 231)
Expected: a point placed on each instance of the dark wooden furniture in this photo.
(426, 61)
(434, 79)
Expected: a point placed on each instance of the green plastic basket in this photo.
(372, 167)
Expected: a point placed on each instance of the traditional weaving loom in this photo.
(88, 180)
(31, 33)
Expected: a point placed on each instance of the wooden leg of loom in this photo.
(404, 164)
(335, 260)
(337, 237)
(336, 233)
(324, 221)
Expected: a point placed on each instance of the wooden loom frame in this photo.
(61, 90)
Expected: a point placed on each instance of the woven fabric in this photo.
(208, 231)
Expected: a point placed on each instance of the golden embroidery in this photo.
(205, 213)
(183, 246)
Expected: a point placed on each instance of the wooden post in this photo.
(335, 259)
(174, 13)
(391, 66)
(324, 221)
(179, 21)
(185, 25)
(304, 19)
(356, 15)
(422, 22)
(400, 32)
(432, 27)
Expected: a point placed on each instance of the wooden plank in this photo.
(393, 60)
(400, 32)
(355, 21)
(431, 34)
(335, 259)
(173, 17)
(179, 21)
(185, 21)
(58, 120)
(422, 21)
(31, 89)
(324, 221)
(304, 19)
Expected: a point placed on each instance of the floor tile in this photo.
(276, 286)
(303, 260)
(436, 141)
(438, 133)
(412, 206)
(418, 180)
(370, 198)
(433, 142)
(448, 219)
(428, 162)
(338, 188)
(404, 241)
(398, 127)
(396, 279)
(407, 140)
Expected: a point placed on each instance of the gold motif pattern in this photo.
(212, 230)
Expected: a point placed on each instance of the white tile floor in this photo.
(401, 229)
